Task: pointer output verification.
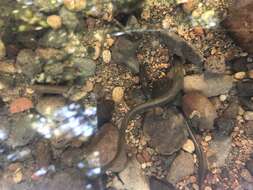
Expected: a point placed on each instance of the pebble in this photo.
(2, 50)
(189, 146)
(75, 5)
(69, 18)
(248, 115)
(223, 97)
(209, 84)
(208, 138)
(47, 106)
(118, 94)
(54, 21)
(240, 75)
(250, 74)
(181, 167)
(208, 188)
(106, 55)
(198, 108)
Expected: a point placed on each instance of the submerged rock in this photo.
(218, 151)
(239, 23)
(200, 110)
(133, 178)
(182, 166)
(103, 147)
(28, 63)
(209, 84)
(123, 52)
(21, 132)
(166, 131)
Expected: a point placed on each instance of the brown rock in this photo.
(104, 146)
(240, 23)
(198, 108)
(20, 105)
(43, 154)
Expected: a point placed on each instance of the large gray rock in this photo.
(133, 178)
(166, 131)
(239, 23)
(182, 166)
(218, 151)
(209, 84)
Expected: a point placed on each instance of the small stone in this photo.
(54, 21)
(247, 176)
(248, 115)
(240, 75)
(69, 18)
(189, 5)
(208, 188)
(118, 94)
(106, 56)
(250, 74)
(2, 50)
(223, 97)
(47, 106)
(189, 146)
(181, 167)
(18, 176)
(199, 109)
(208, 138)
(75, 5)
(20, 105)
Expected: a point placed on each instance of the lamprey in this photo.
(177, 85)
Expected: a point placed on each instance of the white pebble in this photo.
(189, 146)
(240, 75)
(223, 97)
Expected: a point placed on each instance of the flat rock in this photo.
(71, 157)
(166, 131)
(209, 84)
(198, 108)
(120, 163)
(239, 23)
(182, 166)
(21, 132)
(105, 143)
(218, 151)
(133, 178)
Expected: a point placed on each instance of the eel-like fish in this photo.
(185, 52)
